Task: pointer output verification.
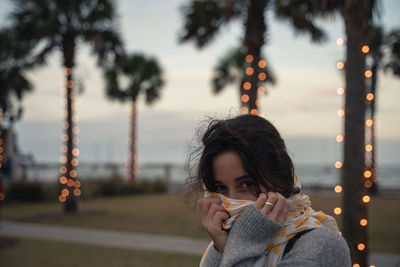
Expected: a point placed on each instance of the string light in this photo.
(365, 49)
(366, 199)
(340, 65)
(249, 58)
(262, 63)
(369, 122)
(249, 71)
(261, 90)
(262, 76)
(368, 74)
(339, 41)
(339, 137)
(245, 98)
(244, 110)
(338, 165)
(341, 112)
(367, 174)
(338, 189)
(340, 91)
(247, 86)
(254, 112)
(361, 246)
(337, 210)
(370, 97)
(68, 172)
(363, 222)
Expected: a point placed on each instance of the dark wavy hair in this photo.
(260, 147)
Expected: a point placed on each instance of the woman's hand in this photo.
(212, 216)
(273, 205)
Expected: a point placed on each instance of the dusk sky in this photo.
(303, 105)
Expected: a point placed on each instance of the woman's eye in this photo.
(219, 188)
(247, 184)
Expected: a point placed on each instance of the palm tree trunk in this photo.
(254, 41)
(357, 29)
(132, 164)
(71, 203)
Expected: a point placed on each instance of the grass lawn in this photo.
(40, 253)
(168, 214)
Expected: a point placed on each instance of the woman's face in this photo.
(231, 178)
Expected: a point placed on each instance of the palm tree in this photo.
(357, 16)
(13, 62)
(50, 25)
(384, 54)
(14, 58)
(143, 75)
(229, 70)
(204, 18)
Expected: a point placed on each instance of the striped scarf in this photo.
(300, 217)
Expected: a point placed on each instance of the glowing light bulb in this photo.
(363, 222)
(249, 58)
(65, 192)
(340, 91)
(338, 165)
(370, 97)
(262, 76)
(61, 198)
(367, 174)
(368, 74)
(337, 210)
(262, 63)
(244, 110)
(247, 86)
(361, 246)
(340, 65)
(369, 122)
(249, 71)
(338, 189)
(254, 112)
(261, 90)
(339, 138)
(366, 199)
(339, 41)
(365, 49)
(245, 98)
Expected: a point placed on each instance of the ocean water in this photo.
(310, 175)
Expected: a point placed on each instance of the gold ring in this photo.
(269, 204)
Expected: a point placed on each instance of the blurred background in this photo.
(133, 157)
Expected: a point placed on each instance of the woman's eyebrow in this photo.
(242, 177)
(237, 179)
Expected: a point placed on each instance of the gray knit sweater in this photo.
(251, 233)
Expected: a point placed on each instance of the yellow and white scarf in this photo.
(300, 217)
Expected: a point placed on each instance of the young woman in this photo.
(253, 210)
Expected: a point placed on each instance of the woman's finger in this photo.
(260, 201)
(284, 213)
(218, 218)
(204, 205)
(279, 207)
(214, 208)
(270, 203)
